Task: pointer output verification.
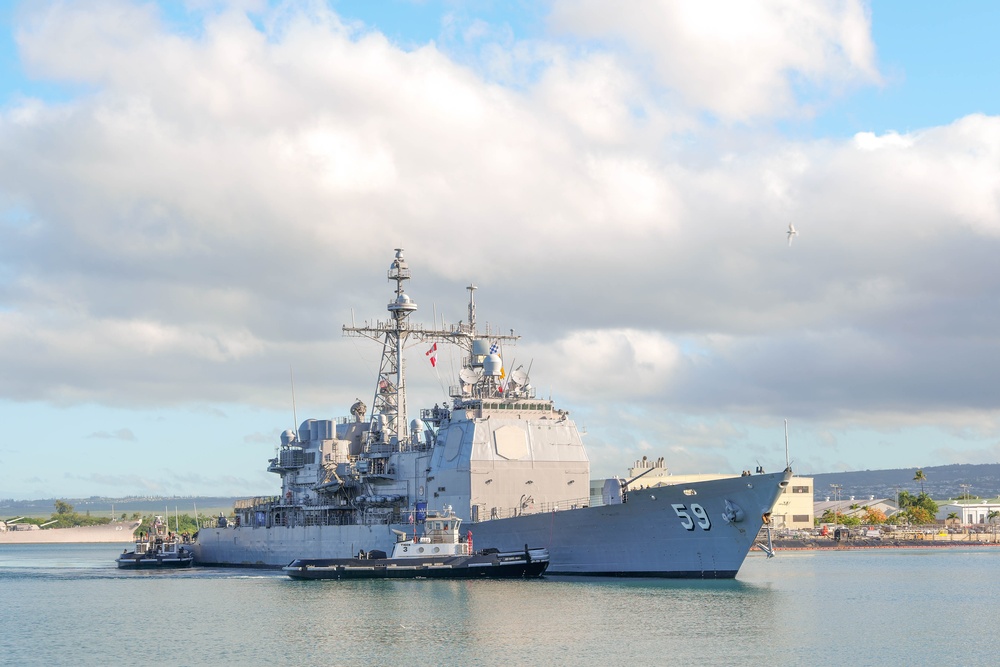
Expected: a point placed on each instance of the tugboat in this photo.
(440, 553)
(159, 549)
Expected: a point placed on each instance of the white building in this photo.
(970, 511)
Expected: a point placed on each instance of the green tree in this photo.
(920, 477)
(840, 519)
(924, 501)
(66, 517)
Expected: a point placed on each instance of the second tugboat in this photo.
(439, 554)
(159, 549)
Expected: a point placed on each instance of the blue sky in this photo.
(936, 62)
(194, 198)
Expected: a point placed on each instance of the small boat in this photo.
(440, 553)
(159, 549)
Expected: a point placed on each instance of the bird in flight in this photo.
(791, 233)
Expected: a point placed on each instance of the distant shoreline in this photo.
(860, 544)
(108, 533)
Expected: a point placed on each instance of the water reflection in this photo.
(794, 609)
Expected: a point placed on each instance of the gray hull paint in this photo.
(646, 536)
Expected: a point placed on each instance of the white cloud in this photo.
(625, 363)
(869, 141)
(737, 60)
(206, 209)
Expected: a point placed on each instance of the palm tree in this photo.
(920, 477)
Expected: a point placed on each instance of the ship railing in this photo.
(316, 518)
(258, 503)
(486, 513)
(383, 450)
(277, 514)
(272, 513)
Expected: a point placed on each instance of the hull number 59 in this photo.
(688, 521)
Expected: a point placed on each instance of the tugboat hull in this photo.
(129, 561)
(510, 565)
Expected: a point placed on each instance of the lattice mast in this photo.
(388, 415)
(389, 427)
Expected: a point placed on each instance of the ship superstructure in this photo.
(511, 464)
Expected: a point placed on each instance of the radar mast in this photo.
(388, 417)
(389, 430)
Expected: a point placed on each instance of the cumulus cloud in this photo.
(205, 208)
(737, 60)
(629, 364)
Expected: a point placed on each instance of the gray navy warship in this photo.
(512, 465)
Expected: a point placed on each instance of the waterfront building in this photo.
(794, 509)
(970, 511)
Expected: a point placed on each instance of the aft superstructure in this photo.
(496, 451)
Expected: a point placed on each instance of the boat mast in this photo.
(389, 430)
(388, 415)
(472, 307)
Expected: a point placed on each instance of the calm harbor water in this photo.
(68, 605)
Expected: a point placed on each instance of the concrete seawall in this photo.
(114, 532)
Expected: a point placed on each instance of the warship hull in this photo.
(677, 531)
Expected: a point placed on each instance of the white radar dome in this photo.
(492, 364)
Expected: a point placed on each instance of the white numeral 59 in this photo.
(700, 515)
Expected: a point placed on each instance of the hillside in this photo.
(100, 506)
(942, 482)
